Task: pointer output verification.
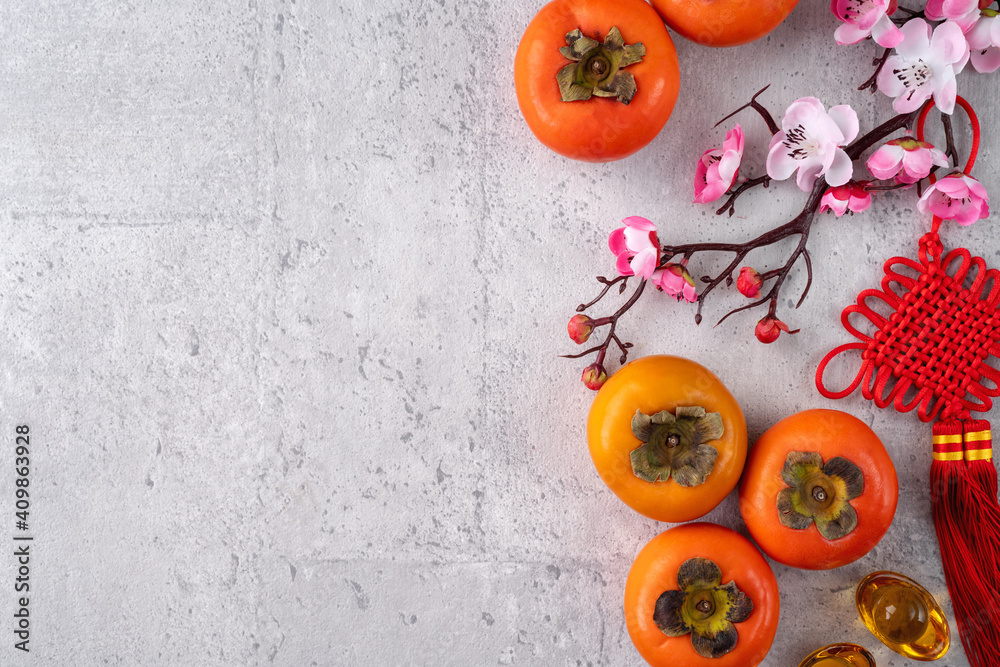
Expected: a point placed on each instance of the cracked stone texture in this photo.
(284, 286)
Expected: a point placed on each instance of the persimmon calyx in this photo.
(596, 67)
(676, 445)
(820, 493)
(703, 608)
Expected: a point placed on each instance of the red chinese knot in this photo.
(933, 352)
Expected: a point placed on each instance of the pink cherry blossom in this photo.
(810, 141)
(748, 282)
(906, 159)
(863, 18)
(957, 197)
(853, 197)
(962, 12)
(925, 65)
(984, 43)
(636, 247)
(675, 280)
(717, 169)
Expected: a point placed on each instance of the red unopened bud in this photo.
(769, 328)
(594, 376)
(580, 327)
(748, 282)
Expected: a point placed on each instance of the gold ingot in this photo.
(903, 615)
(839, 655)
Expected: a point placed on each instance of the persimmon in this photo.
(667, 437)
(596, 80)
(819, 490)
(723, 22)
(701, 595)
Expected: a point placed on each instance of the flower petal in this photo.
(986, 61)
(637, 222)
(916, 39)
(889, 83)
(885, 33)
(841, 170)
(779, 165)
(846, 119)
(622, 265)
(848, 33)
(944, 97)
(616, 241)
(644, 262)
(948, 41)
(807, 176)
(885, 162)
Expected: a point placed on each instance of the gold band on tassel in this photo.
(949, 456)
(977, 436)
(954, 439)
(978, 454)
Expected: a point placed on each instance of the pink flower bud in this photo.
(580, 327)
(675, 280)
(853, 197)
(748, 283)
(769, 328)
(594, 376)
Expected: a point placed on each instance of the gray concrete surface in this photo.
(283, 290)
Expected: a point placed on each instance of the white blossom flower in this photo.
(925, 65)
(810, 141)
(864, 18)
(984, 42)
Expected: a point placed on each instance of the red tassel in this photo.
(977, 499)
(973, 596)
(983, 521)
(979, 456)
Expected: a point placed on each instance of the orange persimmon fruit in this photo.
(819, 490)
(667, 437)
(701, 576)
(723, 22)
(619, 104)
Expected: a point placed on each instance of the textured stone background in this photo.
(283, 288)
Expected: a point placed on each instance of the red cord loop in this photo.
(973, 121)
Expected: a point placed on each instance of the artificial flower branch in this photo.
(924, 52)
(637, 245)
(580, 327)
(800, 225)
(878, 64)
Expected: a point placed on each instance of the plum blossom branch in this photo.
(730, 204)
(878, 64)
(759, 108)
(800, 225)
(923, 52)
